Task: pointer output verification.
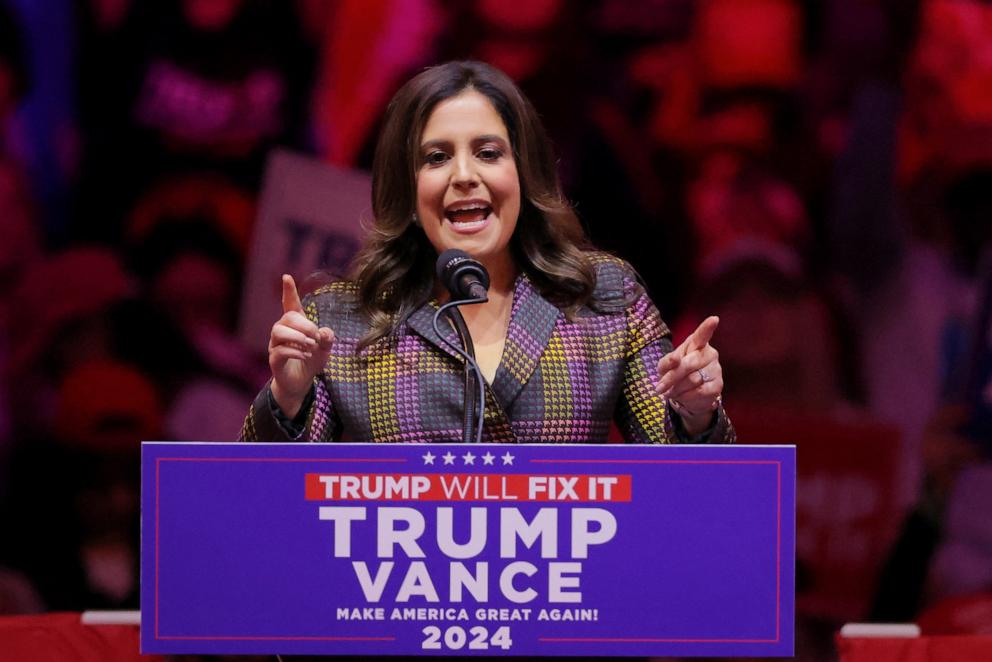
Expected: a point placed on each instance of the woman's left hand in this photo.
(692, 379)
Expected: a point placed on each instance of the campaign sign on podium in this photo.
(409, 549)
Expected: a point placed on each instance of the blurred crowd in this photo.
(819, 175)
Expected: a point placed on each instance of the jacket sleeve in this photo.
(317, 422)
(642, 415)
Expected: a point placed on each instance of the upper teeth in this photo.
(472, 208)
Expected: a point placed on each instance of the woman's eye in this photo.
(435, 158)
(490, 153)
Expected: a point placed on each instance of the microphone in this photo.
(463, 276)
(468, 282)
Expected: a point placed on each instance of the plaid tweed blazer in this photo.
(558, 381)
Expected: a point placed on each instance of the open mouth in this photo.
(468, 218)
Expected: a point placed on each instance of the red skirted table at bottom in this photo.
(915, 649)
(63, 637)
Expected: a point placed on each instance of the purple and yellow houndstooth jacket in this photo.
(558, 381)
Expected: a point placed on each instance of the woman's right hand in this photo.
(298, 351)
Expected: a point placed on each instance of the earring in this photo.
(415, 219)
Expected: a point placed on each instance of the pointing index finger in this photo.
(290, 297)
(703, 333)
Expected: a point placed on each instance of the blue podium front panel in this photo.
(537, 550)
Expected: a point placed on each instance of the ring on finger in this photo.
(704, 376)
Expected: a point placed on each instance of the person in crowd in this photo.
(782, 344)
(186, 242)
(186, 86)
(88, 557)
(910, 236)
(69, 296)
(566, 341)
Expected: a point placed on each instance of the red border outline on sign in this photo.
(778, 552)
(158, 462)
(778, 560)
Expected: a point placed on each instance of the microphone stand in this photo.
(471, 366)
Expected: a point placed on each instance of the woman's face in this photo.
(468, 191)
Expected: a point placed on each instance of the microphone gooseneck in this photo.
(467, 281)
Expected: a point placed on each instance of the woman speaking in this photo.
(567, 340)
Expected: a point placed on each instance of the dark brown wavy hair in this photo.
(395, 268)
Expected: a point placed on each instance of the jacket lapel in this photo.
(532, 321)
(497, 422)
(421, 321)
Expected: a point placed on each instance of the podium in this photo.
(435, 549)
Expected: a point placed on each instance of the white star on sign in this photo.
(468, 458)
(488, 458)
(429, 458)
(507, 459)
(448, 458)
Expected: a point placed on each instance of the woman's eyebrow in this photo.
(485, 138)
(434, 143)
(490, 137)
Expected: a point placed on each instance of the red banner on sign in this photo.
(579, 488)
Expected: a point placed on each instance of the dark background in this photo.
(819, 174)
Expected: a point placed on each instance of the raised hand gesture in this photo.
(298, 351)
(692, 379)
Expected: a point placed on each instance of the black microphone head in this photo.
(458, 271)
(447, 261)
